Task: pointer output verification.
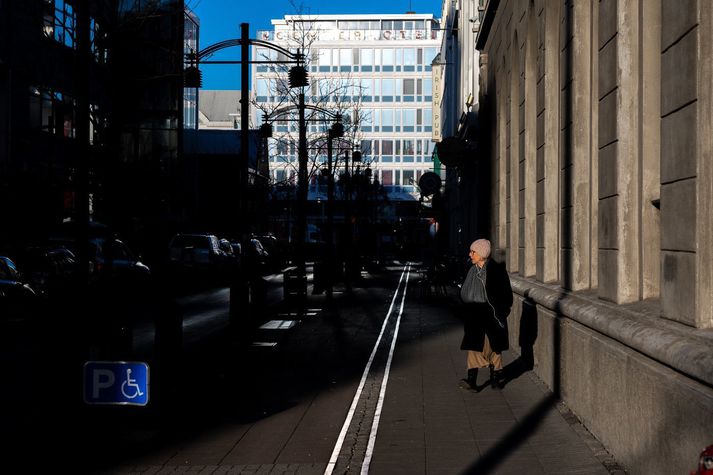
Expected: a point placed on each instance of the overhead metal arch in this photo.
(210, 50)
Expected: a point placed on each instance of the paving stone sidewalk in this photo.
(429, 425)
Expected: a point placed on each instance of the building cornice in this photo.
(490, 10)
(391, 16)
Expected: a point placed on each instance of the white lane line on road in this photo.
(382, 393)
(347, 422)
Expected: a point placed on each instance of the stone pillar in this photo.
(500, 170)
(575, 150)
(547, 171)
(686, 163)
(528, 266)
(514, 158)
(650, 145)
(594, 149)
(704, 183)
(619, 126)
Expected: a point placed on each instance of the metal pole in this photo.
(328, 265)
(239, 285)
(82, 72)
(302, 189)
(348, 223)
(244, 122)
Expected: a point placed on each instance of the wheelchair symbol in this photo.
(130, 383)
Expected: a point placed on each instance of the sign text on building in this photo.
(348, 35)
(437, 72)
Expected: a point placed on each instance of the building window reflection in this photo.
(53, 112)
(60, 21)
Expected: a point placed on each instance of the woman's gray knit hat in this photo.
(482, 247)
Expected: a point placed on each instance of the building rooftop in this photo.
(217, 105)
(363, 16)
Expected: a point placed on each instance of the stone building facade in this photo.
(596, 118)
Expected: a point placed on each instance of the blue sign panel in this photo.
(116, 382)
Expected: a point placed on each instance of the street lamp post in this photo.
(302, 189)
(298, 78)
(336, 131)
(244, 123)
(192, 78)
(350, 184)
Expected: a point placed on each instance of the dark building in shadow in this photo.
(124, 61)
(210, 179)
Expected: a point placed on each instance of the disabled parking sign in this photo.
(116, 382)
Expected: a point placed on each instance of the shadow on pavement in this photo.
(224, 381)
(513, 439)
(528, 335)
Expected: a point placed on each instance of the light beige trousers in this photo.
(485, 358)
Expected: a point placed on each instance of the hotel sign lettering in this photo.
(349, 35)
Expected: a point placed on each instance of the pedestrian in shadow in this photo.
(487, 298)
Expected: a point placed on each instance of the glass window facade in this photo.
(377, 73)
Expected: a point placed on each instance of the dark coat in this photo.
(478, 318)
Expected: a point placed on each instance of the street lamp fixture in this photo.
(266, 130)
(298, 77)
(192, 77)
(337, 129)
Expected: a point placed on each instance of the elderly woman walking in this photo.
(487, 297)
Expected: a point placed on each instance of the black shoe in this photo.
(496, 378)
(470, 383)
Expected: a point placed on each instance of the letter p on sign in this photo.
(101, 379)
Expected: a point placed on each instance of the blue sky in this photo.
(221, 19)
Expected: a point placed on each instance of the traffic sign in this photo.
(116, 382)
(429, 183)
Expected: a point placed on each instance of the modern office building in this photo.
(376, 70)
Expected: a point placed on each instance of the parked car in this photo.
(50, 270)
(109, 257)
(16, 295)
(195, 250)
(202, 258)
(255, 257)
(227, 249)
(237, 248)
(276, 251)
